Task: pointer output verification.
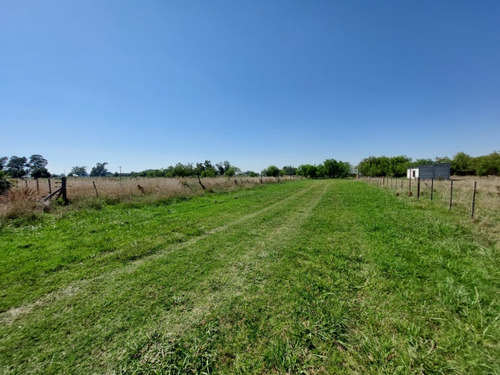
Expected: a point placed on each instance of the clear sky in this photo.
(147, 84)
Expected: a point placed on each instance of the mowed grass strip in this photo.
(41, 258)
(333, 277)
(132, 288)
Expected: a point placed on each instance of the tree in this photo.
(3, 162)
(487, 164)
(208, 173)
(271, 171)
(231, 171)
(223, 167)
(331, 168)
(288, 170)
(384, 166)
(398, 166)
(444, 159)
(307, 170)
(344, 169)
(79, 171)
(461, 164)
(16, 167)
(99, 170)
(37, 166)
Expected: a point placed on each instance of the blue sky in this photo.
(147, 84)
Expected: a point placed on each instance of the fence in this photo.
(72, 188)
(475, 196)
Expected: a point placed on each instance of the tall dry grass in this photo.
(26, 196)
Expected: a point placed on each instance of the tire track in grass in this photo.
(237, 278)
(281, 218)
(9, 316)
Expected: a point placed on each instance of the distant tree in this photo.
(208, 173)
(205, 169)
(461, 164)
(181, 170)
(487, 165)
(444, 159)
(418, 162)
(37, 166)
(3, 162)
(79, 171)
(307, 170)
(99, 170)
(345, 169)
(374, 166)
(231, 171)
(271, 171)
(17, 167)
(398, 166)
(153, 173)
(384, 166)
(288, 170)
(223, 167)
(331, 168)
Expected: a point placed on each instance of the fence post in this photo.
(451, 194)
(63, 190)
(473, 200)
(37, 186)
(50, 187)
(432, 188)
(418, 188)
(95, 188)
(409, 186)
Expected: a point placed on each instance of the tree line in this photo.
(375, 166)
(462, 164)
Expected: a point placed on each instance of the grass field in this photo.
(314, 277)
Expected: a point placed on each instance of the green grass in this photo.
(302, 277)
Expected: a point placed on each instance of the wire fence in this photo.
(472, 195)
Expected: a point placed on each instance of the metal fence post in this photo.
(451, 194)
(473, 200)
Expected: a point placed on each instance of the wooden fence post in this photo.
(418, 188)
(199, 181)
(451, 194)
(37, 186)
(63, 190)
(95, 188)
(473, 200)
(50, 187)
(432, 188)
